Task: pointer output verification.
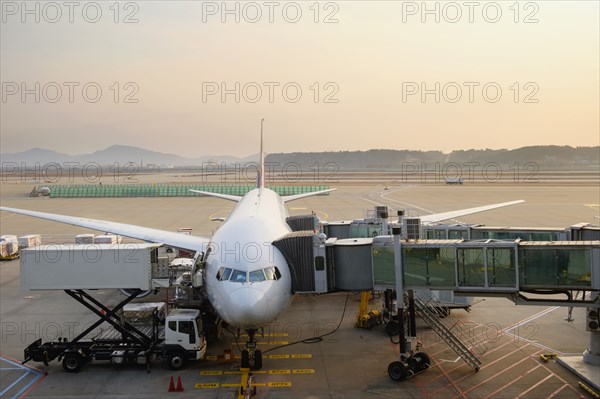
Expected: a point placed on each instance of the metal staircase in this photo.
(433, 315)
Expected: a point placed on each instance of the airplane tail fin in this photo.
(261, 176)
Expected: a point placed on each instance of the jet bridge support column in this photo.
(410, 363)
(592, 354)
(399, 291)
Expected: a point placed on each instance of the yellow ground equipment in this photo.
(367, 318)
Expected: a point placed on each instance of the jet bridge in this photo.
(514, 269)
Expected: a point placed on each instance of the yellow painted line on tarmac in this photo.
(239, 372)
(594, 206)
(216, 213)
(279, 356)
(231, 385)
(273, 342)
(280, 384)
(207, 385)
(211, 372)
(302, 356)
(303, 371)
(278, 372)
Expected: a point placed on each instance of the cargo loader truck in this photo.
(137, 333)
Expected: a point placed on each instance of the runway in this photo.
(351, 363)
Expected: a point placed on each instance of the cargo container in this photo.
(9, 247)
(30, 240)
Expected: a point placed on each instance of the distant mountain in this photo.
(547, 156)
(35, 155)
(120, 154)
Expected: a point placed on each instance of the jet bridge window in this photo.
(257, 276)
(272, 273)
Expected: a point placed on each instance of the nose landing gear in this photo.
(251, 356)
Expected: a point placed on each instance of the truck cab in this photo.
(184, 337)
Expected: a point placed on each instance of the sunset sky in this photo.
(361, 68)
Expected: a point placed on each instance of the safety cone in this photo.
(171, 385)
(179, 385)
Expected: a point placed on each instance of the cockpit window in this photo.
(257, 276)
(238, 276)
(272, 273)
(223, 274)
(226, 274)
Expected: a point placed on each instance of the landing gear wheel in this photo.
(257, 359)
(397, 371)
(176, 361)
(72, 362)
(392, 327)
(245, 359)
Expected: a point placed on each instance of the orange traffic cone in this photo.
(171, 385)
(179, 385)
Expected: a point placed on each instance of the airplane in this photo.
(248, 280)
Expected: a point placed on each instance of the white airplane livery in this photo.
(248, 281)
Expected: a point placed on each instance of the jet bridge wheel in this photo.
(72, 362)
(392, 327)
(397, 371)
(422, 361)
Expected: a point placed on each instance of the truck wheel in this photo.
(72, 362)
(176, 360)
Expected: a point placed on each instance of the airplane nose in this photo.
(248, 306)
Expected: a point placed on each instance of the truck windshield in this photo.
(187, 327)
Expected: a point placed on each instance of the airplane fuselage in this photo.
(248, 280)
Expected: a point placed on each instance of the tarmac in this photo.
(350, 362)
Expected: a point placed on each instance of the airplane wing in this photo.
(287, 198)
(294, 197)
(234, 198)
(178, 240)
(438, 217)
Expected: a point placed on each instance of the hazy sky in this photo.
(342, 75)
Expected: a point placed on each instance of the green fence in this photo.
(164, 190)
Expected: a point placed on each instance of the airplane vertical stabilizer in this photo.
(261, 176)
